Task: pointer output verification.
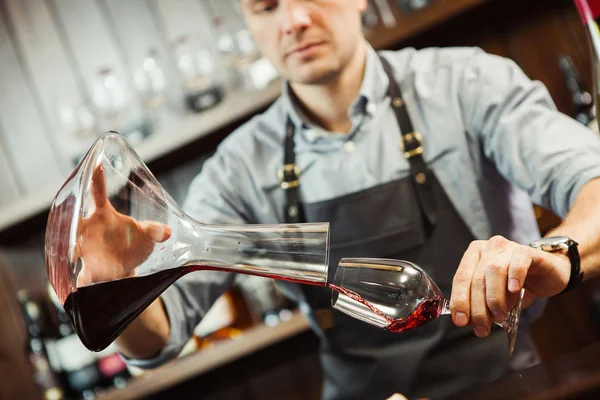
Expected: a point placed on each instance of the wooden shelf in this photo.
(234, 106)
(411, 24)
(203, 361)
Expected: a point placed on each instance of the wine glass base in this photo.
(511, 323)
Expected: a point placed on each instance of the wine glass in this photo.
(397, 295)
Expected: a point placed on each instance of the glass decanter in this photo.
(115, 240)
(398, 295)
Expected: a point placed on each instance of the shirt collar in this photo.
(375, 82)
(373, 90)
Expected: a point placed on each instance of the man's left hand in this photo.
(491, 274)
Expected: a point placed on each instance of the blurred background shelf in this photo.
(234, 106)
(184, 368)
(426, 15)
(409, 19)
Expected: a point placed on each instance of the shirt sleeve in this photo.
(214, 197)
(534, 146)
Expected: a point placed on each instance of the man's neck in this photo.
(327, 105)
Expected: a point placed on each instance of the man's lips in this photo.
(304, 47)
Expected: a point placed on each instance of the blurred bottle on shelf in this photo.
(369, 18)
(44, 376)
(411, 6)
(150, 81)
(152, 85)
(227, 52)
(257, 72)
(386, 13)
(84, 374)
(582, 99)
(76, 129)
(247, 68)
(589, 10)
(224, 32)
(199, 73)
(17, 372)
(115, 108)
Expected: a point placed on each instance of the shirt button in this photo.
(371, 108)
(311, 134)
(349, 147)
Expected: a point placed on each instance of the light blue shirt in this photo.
(492, 136)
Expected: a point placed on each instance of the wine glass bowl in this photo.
(397, 295)
(396, 288)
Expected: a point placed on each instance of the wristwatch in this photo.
(568, 245)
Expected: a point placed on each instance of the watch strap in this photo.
(576, 275)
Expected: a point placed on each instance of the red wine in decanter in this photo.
(100, 312)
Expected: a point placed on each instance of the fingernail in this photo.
(513, 285)
(499, 316)
(480, 330)
(461, 319)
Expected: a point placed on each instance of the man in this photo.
(455, 199)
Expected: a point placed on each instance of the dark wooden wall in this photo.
(15, 369)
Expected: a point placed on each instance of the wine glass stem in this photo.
(445, 309)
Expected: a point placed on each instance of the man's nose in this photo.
(295, 17)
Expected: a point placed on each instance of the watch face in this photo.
(552, 241)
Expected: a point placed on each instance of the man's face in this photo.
(308, 41)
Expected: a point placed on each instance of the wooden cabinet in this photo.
(15, 370)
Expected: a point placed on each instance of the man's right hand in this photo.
(111, 244)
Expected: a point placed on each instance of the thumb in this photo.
(155, 230)
(397, 396)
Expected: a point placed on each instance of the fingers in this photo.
(487, 282)
(521, 261)
(155, 230)
(488, 291)
(98, 186)
(519, 267)
(495, 266)
(480, 316)
(460, 299)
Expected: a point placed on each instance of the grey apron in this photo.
(409, 219)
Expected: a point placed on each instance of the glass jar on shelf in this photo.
(76, 129)
(199, 72)
(256, 71)
(116, 109)
(150, 82)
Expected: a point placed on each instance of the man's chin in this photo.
(312, 75)
(319, 70)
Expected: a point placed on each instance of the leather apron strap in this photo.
(411, 144)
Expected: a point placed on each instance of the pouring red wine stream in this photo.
(98, 325)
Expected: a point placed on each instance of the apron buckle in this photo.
(289, 175)
(412, 143)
